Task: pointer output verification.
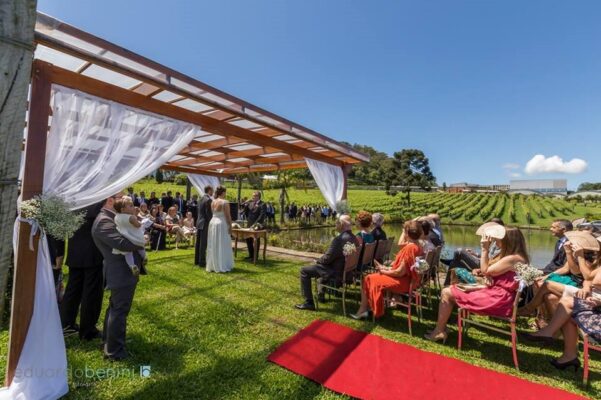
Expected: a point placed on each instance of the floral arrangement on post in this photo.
(53, 214)
(527, 273)
(349, 248)
(343, 207)
(420, 265)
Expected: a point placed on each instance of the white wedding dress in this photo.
(220, 257)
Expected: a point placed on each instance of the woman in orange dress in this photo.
(397, 279)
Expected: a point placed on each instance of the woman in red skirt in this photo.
(397, 279)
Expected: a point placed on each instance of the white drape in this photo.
(329, 179)
(200, 181)
(95, 148)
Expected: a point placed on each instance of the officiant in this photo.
(255, 211)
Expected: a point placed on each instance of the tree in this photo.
(410, 167)
(286, 179)
(444, 186)
(589, 186)
(17, 21)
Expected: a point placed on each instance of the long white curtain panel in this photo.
(329, 179)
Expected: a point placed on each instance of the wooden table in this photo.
(255, 235)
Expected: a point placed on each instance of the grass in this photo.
(207, 336)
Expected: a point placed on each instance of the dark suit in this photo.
(181, 205)
(119, 280)
(329, 266)
(255, 214)
(559, 257)
(205, 213)
(84, 288)
(167, 202)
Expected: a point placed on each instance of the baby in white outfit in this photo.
(132, 229)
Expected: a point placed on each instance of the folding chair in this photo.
(588, 343)
(350, 267)
(433, 259)
(381, 247)
(367, 257)
(464, 318)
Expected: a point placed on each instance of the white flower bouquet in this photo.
(53, 214)
(420, 265)
(349, 249)
(527, 273)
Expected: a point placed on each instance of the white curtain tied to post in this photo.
(329, 179)
(201, 181)
(95, 148)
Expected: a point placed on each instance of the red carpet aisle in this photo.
(370, 367)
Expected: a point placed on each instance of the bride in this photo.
(219, 244)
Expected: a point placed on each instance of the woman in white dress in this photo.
(220, 257)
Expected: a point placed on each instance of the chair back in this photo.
(388, 247)
(435, 262)
(351, 261)
(368, 253)
(381, 249)
(516, 303)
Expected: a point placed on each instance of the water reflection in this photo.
(540, 242)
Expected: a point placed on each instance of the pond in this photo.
(541, 243)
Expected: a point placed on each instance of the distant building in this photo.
(464, 187)
(542, 186)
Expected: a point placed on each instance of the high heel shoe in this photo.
(363, 315)
(440, 336)
(563, 365)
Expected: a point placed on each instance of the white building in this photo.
(542, 186)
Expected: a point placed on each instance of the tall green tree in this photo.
(410, 167)
(287, 179)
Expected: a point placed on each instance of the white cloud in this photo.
(540, 164)
(515, 175)
(511, 166)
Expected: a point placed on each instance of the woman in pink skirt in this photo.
(497, 299)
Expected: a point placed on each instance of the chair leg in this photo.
(409, 314)
(459, 328)
(586, 361)
(316, 295)
(344, 299)
(514, 347)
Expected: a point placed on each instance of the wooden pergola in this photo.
(237, 137)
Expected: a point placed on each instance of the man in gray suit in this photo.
(120, 279)
(205, 213)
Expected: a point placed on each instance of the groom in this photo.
(255, 214)
(202, 227)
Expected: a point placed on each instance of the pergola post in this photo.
(33, 182)
(346, 169)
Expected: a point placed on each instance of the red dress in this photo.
(496, 300)
(374, 285)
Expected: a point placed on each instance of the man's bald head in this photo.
(344, 222)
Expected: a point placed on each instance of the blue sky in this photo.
(480, 86)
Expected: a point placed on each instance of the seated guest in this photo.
(581, 311)
(425, 242)
(548, 289)
(158, 230)
(364, 219)
(397, 279)
(172, 221)
(495, 300)
(436, 232)
(143, 212)
(468, 258)
(330, 265)
(378, 233)
(558, 229)
(189, 226)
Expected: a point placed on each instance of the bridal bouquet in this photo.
(527, 273)
(53, 214)
(349, 249)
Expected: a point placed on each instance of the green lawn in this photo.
(207, 336)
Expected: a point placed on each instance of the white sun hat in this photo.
(491, 229)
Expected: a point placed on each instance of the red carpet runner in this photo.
(370, 367)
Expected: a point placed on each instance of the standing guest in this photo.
(293, 212)
(255, 214)
(56, 250)
(133, 196)
(142, 198)
(494, 300)
(330, 266)
(192, 206)
(153, 200)
(202, 227)
(378, 233)
(167, 200)
(83, 293)
(558, 229)
(120, 279)
(180, 203)
(397, 279)
(270, 212)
